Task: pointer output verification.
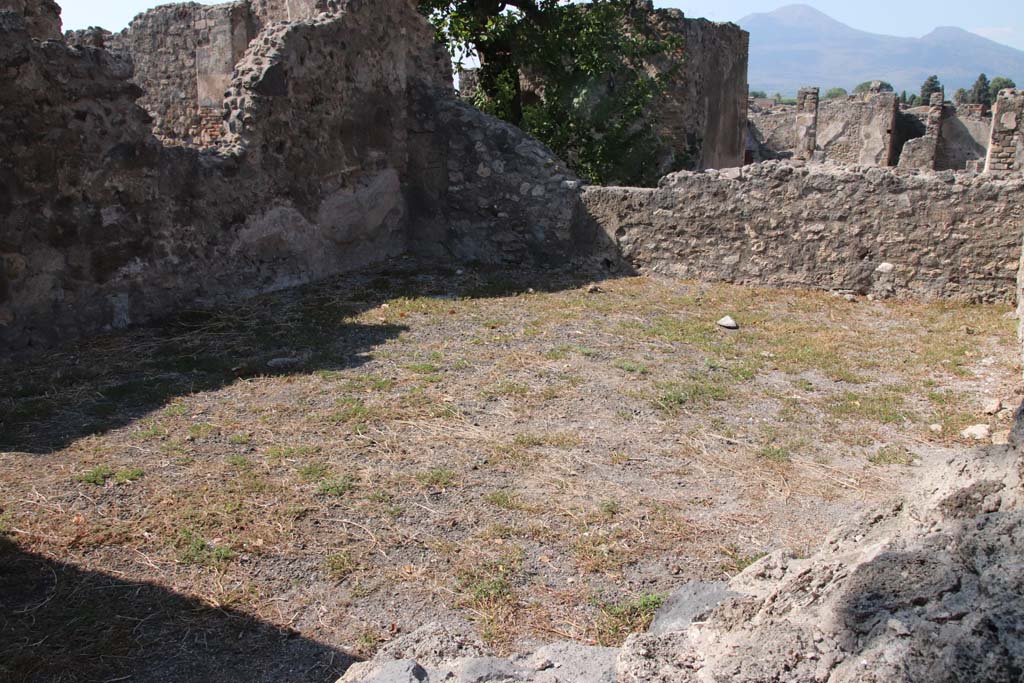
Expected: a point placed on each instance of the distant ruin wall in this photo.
(848, 132)
(806, 122)
(922, 153)
(858, 130)
(965, 133)
(323, 168)
(868, 231)
(1006, 142)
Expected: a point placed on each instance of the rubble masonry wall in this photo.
(865, 230)
(323, 167)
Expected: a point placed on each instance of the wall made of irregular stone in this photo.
(42, 17)
(855, 130)
(183, 57)
(1006, 141)
(858, 130)
(964, 138)
(773, 130)
(863, 230)
(329, 163)
(486, 193)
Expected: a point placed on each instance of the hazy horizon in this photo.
(1000, 21)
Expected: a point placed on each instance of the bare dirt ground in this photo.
(265, 491)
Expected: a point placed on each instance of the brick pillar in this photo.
(1006, 142)
(806, 122)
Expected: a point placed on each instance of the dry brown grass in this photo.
(519, 459)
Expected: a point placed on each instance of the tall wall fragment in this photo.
(806, 122)
(1006, 144)
(922, 153)
(701, 117)
(703, 113)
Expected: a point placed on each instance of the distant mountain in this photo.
(797, 45)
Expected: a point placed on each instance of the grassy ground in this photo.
(351, 460)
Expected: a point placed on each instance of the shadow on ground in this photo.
(51, 398)
(60, 623)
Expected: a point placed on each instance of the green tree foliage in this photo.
(759, 94)
(589, 63)
(999, 83)
(931, 85)
(981, 91)
(866, 86)
(960, 96)
(835, 93)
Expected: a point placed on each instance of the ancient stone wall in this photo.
(183, 57)
(42, 17)
(772, 132)
(806, 122)
(861, 129)
(1006, 143)
(324, 168)
(489, 194)
(858, 130)
(862, 230)
(703, 114)
(922, 153)
(965, 133)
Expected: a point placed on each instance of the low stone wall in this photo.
(865, 230)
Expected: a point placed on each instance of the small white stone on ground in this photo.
(728, 323)
(937, 428)
(977, 432)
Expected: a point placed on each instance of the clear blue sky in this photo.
(1000, 20)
